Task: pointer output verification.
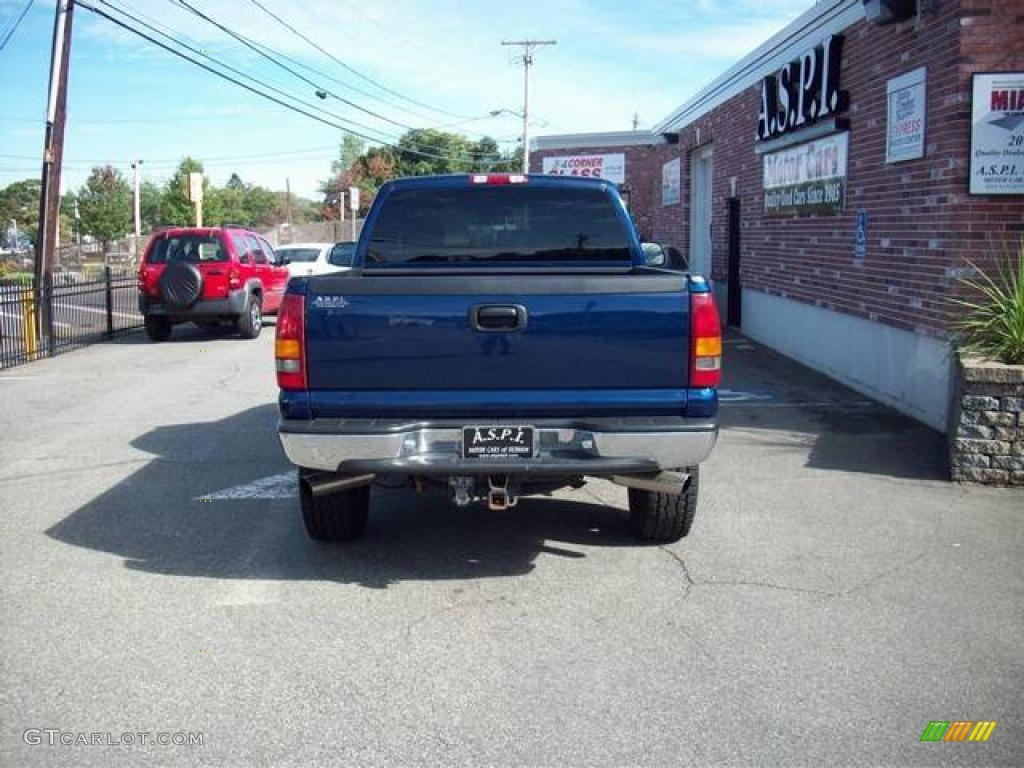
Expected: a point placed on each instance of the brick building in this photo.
(828, 184)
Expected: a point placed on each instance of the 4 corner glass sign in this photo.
(807, 178)
(997, 134)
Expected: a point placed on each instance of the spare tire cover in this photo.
(181, 285)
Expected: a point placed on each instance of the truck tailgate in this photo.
(382, 339)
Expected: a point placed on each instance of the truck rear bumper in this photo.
(599, 447)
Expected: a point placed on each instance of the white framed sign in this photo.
(608, 167)
(670, 173)
(997, 133)
(904, 139)
(807, 178)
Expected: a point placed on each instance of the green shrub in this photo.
(993, 323)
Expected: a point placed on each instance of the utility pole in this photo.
(636, 120)
(288, 200)
(527, 45)
(53, 155)
(137, 168)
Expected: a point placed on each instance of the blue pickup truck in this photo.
(499, 335)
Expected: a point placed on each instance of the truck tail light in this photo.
(289, 342)
(234, 278)
(497, 178)
(706, 342)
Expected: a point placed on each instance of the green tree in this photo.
(176, 210)
(20, 202)
(350, 150)
(105, 205)
(302, 209)
(417, 153)
(247, 205)
(150, 200)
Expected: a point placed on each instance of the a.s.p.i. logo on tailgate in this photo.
(330, 302)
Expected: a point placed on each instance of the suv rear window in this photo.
(497, 225)
(194, 249)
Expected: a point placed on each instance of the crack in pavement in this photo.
(692, 583)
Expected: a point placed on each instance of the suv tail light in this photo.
(706, 342)
(234, 278)
(289, 342)
(147, 280)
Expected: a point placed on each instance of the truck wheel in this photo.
(337, 516)
(251, 320)
(664, 517)
(158, 328)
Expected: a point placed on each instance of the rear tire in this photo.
(251, 320)
(337, 516)
(664, 517)
(158, 328)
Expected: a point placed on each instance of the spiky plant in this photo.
(993, 323)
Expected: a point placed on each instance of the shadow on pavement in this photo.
(846, 431)
(156, 522)
(184, 332)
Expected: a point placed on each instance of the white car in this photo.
(305, 259)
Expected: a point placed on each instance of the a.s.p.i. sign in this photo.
(803, 91)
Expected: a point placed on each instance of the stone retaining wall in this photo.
(987, 432)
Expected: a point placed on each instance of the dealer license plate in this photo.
(497, 442)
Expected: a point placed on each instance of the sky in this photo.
(441, 62)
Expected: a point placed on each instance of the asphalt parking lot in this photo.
(836, 595)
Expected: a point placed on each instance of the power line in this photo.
(258, 49)
(253, 45)
(353, 70)
(16, 24)
(305, 112)
(230, 68)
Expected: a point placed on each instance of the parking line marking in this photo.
(798, 404)
(18, 319)
(280, 486)
(98, 311)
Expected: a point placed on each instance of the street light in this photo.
(514, 113)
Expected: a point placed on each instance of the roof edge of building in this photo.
(826, 17)
(587, 140)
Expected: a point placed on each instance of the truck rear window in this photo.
(505, 224)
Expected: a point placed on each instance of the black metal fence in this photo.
(81, 311)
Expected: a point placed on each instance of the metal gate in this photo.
(81, 312)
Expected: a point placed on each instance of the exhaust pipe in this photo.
(666, 481)
(320, 485)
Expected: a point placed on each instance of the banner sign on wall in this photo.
(905, 132)
(670, 182)
(997, 134)
(609, 167)
(807, 178)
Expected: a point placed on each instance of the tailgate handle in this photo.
(215, 271)
(498, 317)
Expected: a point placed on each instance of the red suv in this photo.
(209, 275)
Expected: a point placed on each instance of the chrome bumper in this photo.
(431, 450)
